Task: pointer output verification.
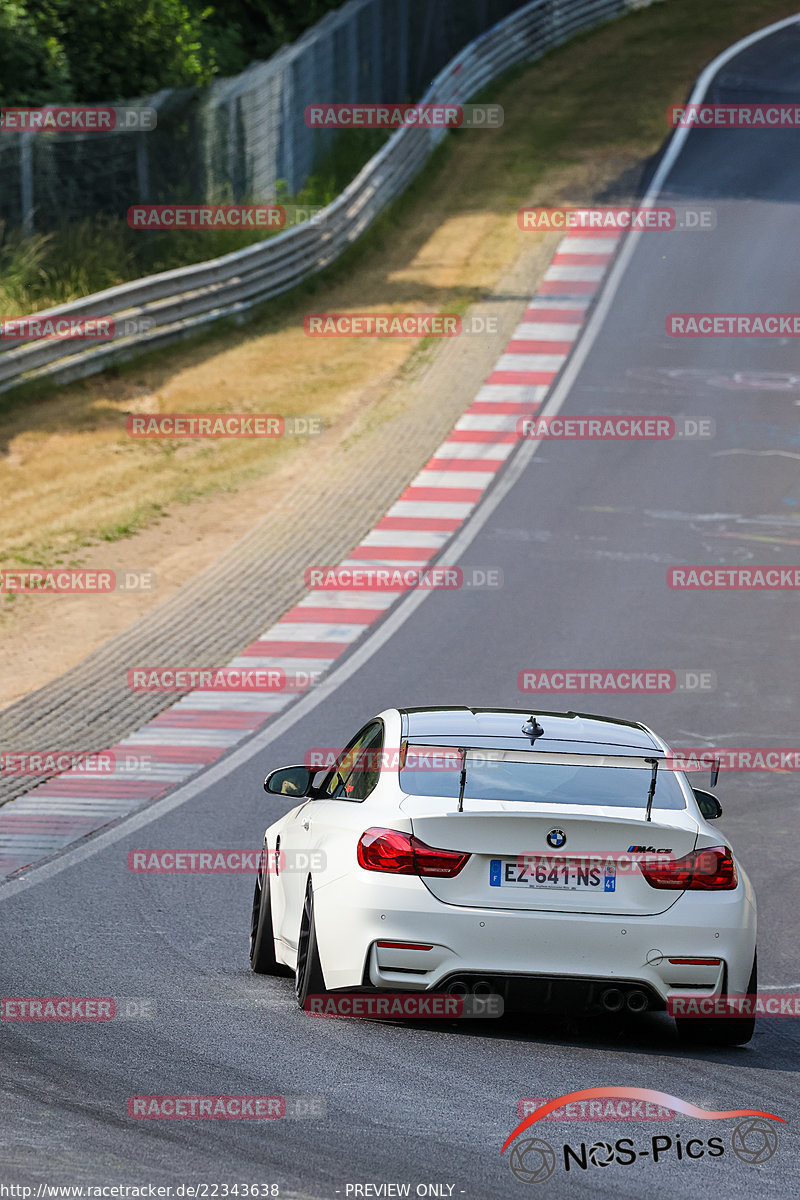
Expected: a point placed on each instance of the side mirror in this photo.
(290, 781)
(709, 805)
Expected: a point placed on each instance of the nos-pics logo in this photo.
(753, 1140)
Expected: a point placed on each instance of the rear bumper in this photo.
(353, 915)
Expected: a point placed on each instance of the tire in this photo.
(308, 977)
(262, 942)
(720, 1031)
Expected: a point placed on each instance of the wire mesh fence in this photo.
(233, 141)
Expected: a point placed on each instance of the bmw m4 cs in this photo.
(556, 859)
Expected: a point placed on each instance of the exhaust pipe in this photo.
(612, 999)
(458, 988)
(482, 988)
(637, 1001)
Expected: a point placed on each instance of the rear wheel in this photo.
(308, 979)
(720, 1031)
(262, 941)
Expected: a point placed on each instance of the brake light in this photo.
(710, 869)
(404, 946)
(399, 853)
(691, 962)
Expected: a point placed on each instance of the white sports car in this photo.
(556, 859)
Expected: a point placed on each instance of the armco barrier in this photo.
(181, 302)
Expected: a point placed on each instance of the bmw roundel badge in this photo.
(556, 838)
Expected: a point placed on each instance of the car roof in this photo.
(501, 729)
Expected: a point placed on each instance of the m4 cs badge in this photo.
(649, 850)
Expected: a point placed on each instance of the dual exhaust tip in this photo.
(614, 999)
(460, 987)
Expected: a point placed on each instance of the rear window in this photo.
(438, 774)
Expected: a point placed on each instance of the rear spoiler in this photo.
(460, 754)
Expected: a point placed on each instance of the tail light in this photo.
(711, 869)
(402, 854)
(690, 962)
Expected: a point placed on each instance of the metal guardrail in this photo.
(176, 304)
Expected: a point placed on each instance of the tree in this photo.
(84, 51)
(33, 66)
(118, 49)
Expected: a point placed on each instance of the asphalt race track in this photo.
(584, 535)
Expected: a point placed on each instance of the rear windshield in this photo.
(538, 783)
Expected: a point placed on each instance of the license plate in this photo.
(560, 875)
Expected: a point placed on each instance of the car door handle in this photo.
(306, 823)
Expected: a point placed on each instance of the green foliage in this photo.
(33, 65)
(348, 154)
(243, 30)
(89, 50)
(117, 49)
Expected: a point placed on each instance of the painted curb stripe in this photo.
(324, 624)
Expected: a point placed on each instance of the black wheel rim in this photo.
(254, 919)
(302, 947)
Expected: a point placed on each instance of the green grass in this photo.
(94, 254)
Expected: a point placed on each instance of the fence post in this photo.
(377, 54)
(287, 125)
(26, 181)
